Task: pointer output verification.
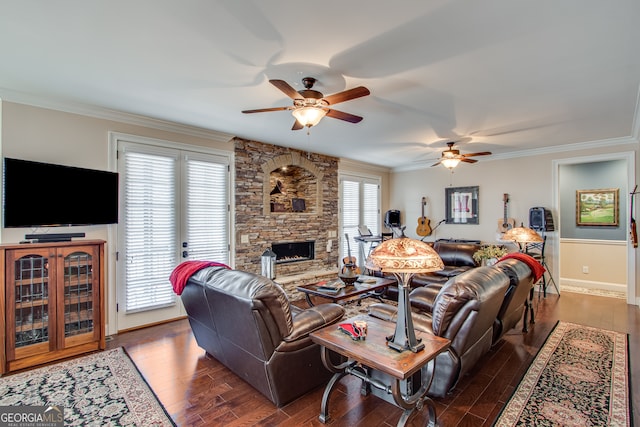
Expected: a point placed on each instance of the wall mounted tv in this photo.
(39, 194)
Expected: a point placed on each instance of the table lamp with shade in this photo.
(404, 257)
(522, 236)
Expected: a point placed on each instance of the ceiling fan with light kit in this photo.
(450, 158)
(310, 106)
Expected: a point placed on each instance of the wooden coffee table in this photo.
(365, 287)
(373, 353)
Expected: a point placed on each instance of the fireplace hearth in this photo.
(287, 252)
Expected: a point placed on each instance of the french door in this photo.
(359, 207)
(174, 207)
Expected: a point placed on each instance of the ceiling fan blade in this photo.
(286, 88)
(297, 125)
(482, 153)
(468, 160)
(264, 110)
(436, 163)
(341, 115)
(347, 95)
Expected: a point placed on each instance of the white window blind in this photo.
(207, 212)
(371, 206)
(350, 200)
(150, 224)
(360, 205)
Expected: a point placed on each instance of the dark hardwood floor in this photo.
(196, 390)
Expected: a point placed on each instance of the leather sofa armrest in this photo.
(427, 279)
(314, 318)
(449, 271)
(383, 311)
(423, 298)
(389, 313)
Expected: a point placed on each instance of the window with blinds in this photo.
(150, 220)
(359, 205)
(207, 213)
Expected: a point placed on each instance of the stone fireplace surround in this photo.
(257, 167)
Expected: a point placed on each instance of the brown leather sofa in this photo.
(245, 321)
(465, 311)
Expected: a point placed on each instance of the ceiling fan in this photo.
(450, 158)
(310, 106)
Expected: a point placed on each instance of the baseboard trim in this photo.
(587, 284)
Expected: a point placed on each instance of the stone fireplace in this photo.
(305, 176)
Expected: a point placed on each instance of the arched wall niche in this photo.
(301, 180)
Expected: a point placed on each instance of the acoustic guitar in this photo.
(424, 227)
(349, 262)
(505, 224)
(633, 233)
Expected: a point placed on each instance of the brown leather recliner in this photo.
(245, 321)
(463, 311)
(516, 299)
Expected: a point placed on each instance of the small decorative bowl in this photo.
(348, 280)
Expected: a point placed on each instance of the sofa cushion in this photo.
(456, 254)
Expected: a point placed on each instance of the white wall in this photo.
(527, 180)
(45, 135)
(59, 137)
(39, 134)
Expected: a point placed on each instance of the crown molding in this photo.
(349, 164)
(604, 143)
(68, 106)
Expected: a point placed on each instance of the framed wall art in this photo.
(462, 205)
(597, 208)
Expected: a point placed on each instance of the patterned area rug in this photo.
(101, 389)
(356, 307)
(580, 377)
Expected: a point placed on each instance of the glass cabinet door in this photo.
(31, 300)
(78, 294)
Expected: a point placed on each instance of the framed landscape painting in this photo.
(597, 207)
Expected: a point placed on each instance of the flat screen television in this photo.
(39, 194)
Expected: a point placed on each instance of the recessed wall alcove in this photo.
(289, 178)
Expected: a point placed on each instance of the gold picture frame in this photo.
(597, 208)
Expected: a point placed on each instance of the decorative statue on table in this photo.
(350, 271)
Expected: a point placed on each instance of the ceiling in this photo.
(507, 76)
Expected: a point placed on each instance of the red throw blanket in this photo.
(537, 268)
(182, 272)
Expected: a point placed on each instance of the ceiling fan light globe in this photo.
(450, 163)
(309, 116)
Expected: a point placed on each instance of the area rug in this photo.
(356, 307)
(580, 377)
(101, 389)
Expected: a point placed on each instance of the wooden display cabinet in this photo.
(52, 301)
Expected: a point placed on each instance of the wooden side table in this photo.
(373, 353)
